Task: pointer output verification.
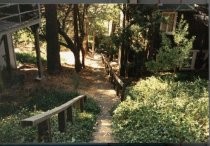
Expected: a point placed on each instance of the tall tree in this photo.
(77, 43)
(83, 33)
(123, 58)
(53, 47)
(79, 24)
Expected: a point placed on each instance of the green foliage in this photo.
(12, 132)
(163, 110)
(108, 45)
(138, 43)
(42, 100)
(143, 23)
(92, 107)
(78, 132)
(6, 109)
(27, 58)
(100, 14)
(172, 57)
(23, 36)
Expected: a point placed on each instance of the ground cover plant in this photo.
(28, 58)
(42, 100)
(163, 109)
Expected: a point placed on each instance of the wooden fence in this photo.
(118, 84)
(65, 113)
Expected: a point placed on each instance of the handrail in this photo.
(19, 13)
(64, 112)
(119, 85)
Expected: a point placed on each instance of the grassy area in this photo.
(27, 58)
(163, 109)
(42, 100)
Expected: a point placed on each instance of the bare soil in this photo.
(91, 81)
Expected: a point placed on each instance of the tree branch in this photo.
(69, 42)
(64, 44)
(66, 16)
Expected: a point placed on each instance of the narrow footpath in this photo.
(96, 85)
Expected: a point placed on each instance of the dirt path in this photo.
(91, 81)
(96, 85)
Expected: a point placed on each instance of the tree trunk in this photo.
(123, 47)
(35, 30)
(82, 16)
(93, 43)
(86, 35)
(76, 39)
(53, 47)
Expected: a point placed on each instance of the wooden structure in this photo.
(65, 113)
(14, 17)
(118, 84)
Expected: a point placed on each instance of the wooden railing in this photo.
(19, 12)
(65, 113)
(118, 84)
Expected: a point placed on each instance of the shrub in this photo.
(171, 57)
(78, 132)
(6, 109)
(12, 132)
(27, 58)
(42, 100)
(160, 110)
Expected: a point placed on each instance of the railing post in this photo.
(44, 131)
(117, 91)
(70, 114)
(108, 69)
(113, 80)
(122, 93)
(85, 98)
(62, 121)
(102, 58)
(81, 104)
(110, 76)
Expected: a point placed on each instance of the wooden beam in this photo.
(44, 131)
(34, 120)
(70, 114)
(62, 119)
(18, 26)
(82, 104)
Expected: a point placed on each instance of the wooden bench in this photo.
(65, 113)
(118, 84)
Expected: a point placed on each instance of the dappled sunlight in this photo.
(67, 57)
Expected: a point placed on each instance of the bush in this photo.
(42, 100)
(27, 58)
(172, 57)
(6, 109)
(78, 132)
(12, 132)
(163, 110)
